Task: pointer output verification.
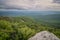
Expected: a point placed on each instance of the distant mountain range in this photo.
(49, 17)
(27, 13)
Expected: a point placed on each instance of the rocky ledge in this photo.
(44, 35)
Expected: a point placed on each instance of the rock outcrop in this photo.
(44, 35)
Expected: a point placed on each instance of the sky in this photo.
(29, 4)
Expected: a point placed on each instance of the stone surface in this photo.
(44, 35)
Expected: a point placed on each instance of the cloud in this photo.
(30, 4)
(56, 1)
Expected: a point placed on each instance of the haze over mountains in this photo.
(27, 13)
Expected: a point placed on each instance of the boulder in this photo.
(44, 35)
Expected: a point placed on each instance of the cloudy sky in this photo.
(30, 4)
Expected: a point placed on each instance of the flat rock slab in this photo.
(44, 35)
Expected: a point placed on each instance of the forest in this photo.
(23, 27)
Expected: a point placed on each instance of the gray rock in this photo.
(44, 35)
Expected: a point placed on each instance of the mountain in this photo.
(51, 19)
(26, 13)
(21, 25)
(44, 35)
(22, 28)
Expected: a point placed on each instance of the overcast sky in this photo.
(30, 4)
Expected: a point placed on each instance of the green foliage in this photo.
(5, 25)
(27, 32)
(22, 28)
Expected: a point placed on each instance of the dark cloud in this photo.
(56, 1)
(4, 6)
(1, 2)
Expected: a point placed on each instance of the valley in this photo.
(16, 25)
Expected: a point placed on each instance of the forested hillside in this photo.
(22, 28)
(52, 19)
